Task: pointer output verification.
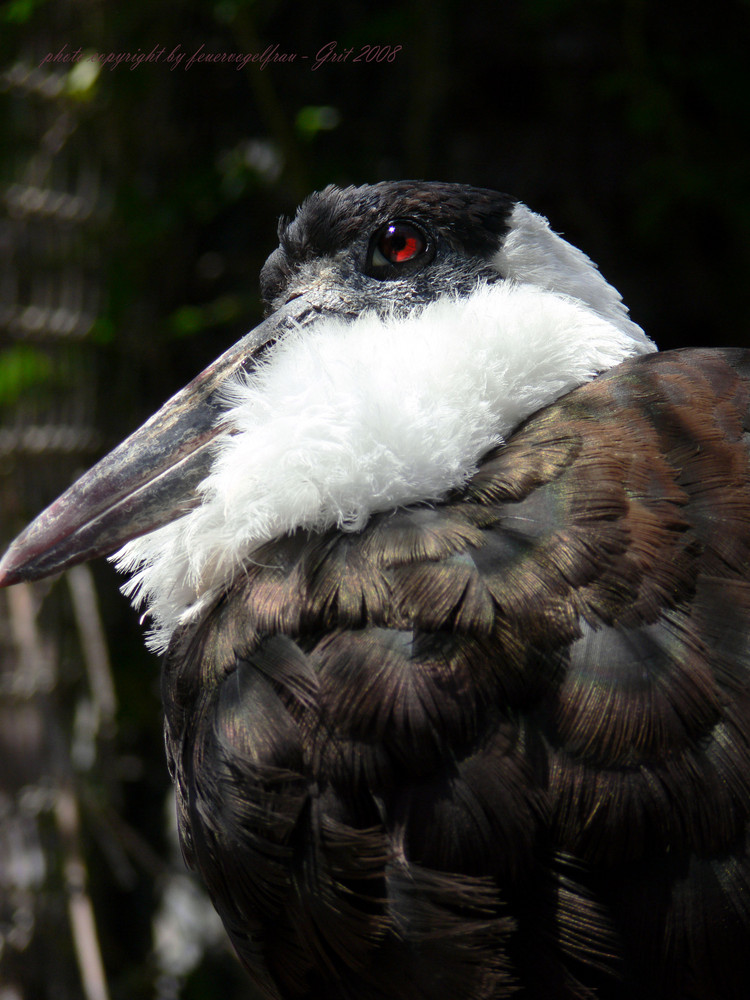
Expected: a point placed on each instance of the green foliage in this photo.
(189, 320)
(20, 11)
(313, 119)
(21, 368)
(81, 80)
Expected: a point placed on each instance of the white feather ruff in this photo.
(345, 419)
(533, 253)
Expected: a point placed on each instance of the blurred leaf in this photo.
(189, 320)
(311, 120)
(102, 331)
(19, 11)
(82, 77)
(21, 368)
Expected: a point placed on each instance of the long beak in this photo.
(149, 479)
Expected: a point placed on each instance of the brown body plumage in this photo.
(503, 741)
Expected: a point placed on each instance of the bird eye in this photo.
(399, 244)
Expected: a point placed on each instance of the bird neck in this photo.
(345, 419)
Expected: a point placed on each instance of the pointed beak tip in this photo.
(25, 560)
(9, 572)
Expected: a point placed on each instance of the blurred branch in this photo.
(80, 908)
(36, 668)
(34, 656)
(93, 643)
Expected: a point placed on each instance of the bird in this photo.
(449, 570)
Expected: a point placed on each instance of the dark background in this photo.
(626, 123)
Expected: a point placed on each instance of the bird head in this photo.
(410, 328)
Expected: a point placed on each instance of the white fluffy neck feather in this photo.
(346, 419)
(533, 253)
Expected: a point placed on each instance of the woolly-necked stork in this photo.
(451, 571)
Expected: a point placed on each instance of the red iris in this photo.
(401, 242)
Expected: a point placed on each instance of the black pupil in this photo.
(401, 243)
